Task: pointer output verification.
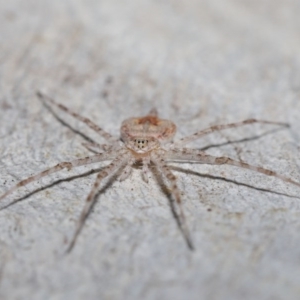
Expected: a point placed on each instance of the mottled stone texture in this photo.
(200, 63)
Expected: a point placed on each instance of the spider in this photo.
(146, 140)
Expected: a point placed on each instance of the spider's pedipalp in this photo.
(197, 135)
(109, 170)
(88, 122)
(197, 156)
(165, 170)
(63, 165)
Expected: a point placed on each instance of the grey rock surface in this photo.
(200, 63)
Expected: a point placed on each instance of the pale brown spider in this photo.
(146, 140)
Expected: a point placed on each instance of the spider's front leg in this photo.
(96, 148)
(214, 128)
(198, 156)
(158, 160)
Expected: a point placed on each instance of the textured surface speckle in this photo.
(200, 63)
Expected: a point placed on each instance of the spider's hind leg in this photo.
(197, 156)
(180, 216)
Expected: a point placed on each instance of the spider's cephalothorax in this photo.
(148, 140)
(147, 133)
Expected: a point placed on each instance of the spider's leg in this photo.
(95, 147)
(63, 165)
(145, 169)
(116, 164)
(211, 129)
(87, 121)
(127, 170)
(194, 155)
(165, 170)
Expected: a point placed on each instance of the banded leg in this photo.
(127, 170)
(161, 165)
(145, 169)
(63, 165)
(87, 121)
(193, 155)
(90, 200)
(95, 147)
(211, 129)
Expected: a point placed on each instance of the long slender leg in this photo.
(161, 165)
(194, 155)
(211, 129)
(63, 165)
(127, 170)
(90, 200)
(87, 121)
(145, 169)
(95, 147)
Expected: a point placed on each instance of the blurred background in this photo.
(199, 63)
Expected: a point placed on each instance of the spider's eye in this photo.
(141, 143)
